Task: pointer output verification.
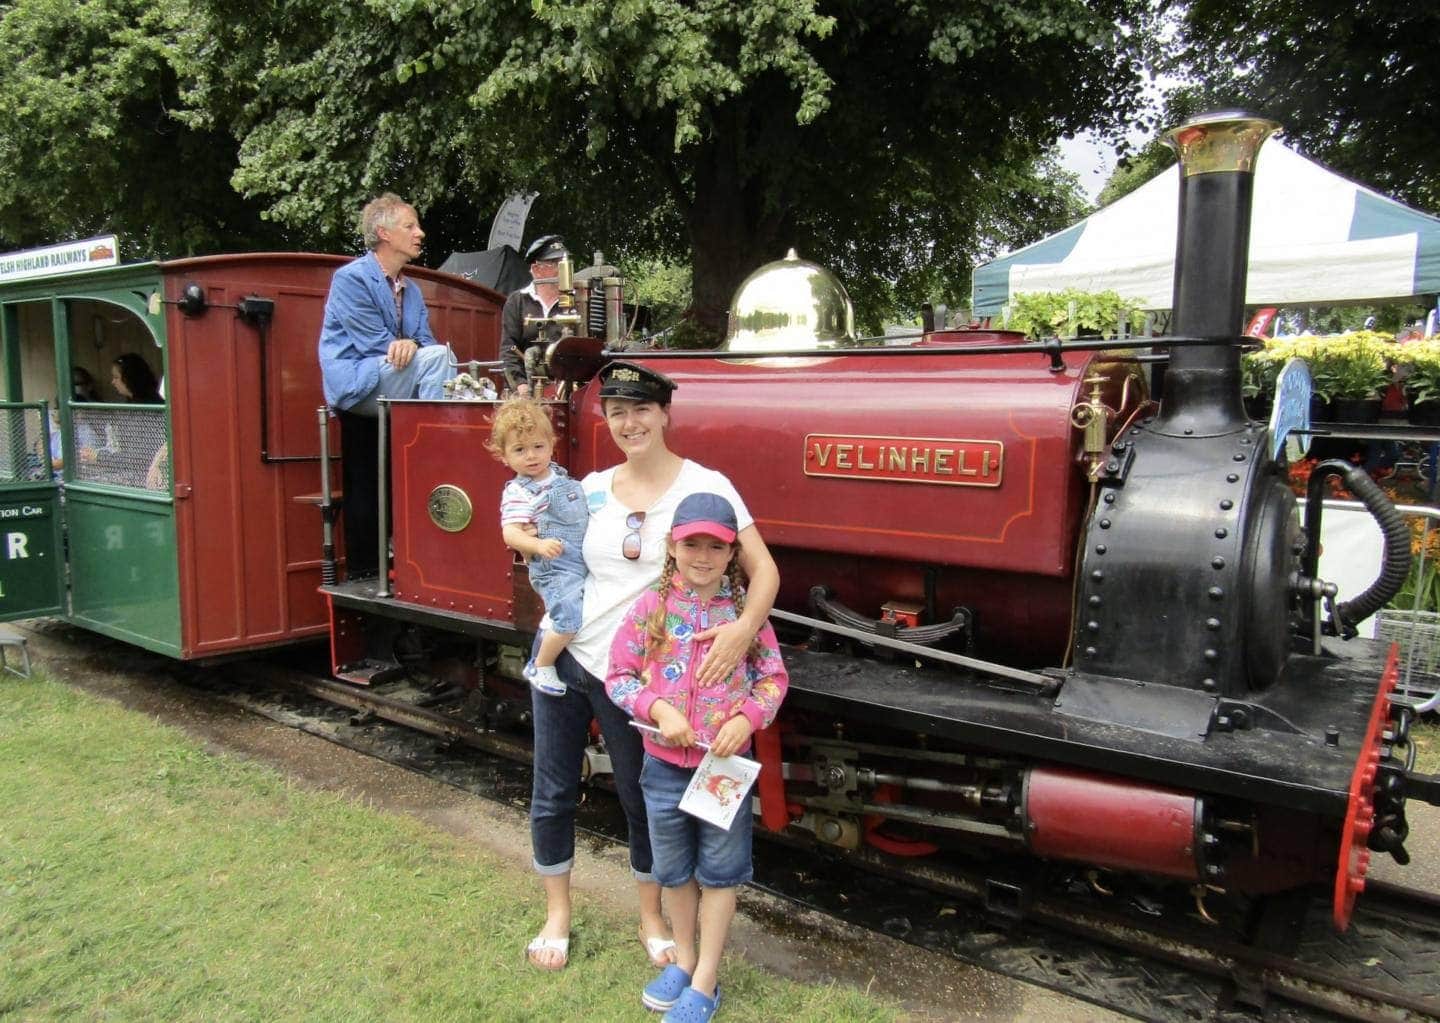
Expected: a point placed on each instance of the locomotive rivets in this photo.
(1221, 533)
(1092, 626)
(1118, 446)
(1098, 575)
(1212, 624)
(1217, 563)
(1104, 523)
(1207, 683)
(1090, 651)
(1246, 440)
(1189, 430)
(1095, 600)
(1227, 504)
(1215, 593)
(1211, 654)
(1238, 456)
(1233, 477)
(1100, 548)
(1112, 466)
(1110, 497)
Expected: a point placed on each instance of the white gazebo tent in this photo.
(1315, 238)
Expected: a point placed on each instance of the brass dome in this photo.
(790, 305)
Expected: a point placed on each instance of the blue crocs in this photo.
(693, 1007)
(665, 990)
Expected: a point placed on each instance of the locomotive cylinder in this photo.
(1112, 823)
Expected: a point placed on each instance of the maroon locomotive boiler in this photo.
(1030, 606)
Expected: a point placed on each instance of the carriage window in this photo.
(117, 412)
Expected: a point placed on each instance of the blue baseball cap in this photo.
(707, 515)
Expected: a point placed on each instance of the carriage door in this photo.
(32, 563)
(119, 511)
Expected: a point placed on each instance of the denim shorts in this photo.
(561, 585)
(684, 846)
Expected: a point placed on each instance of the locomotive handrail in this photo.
(1042, 683)
(1050, 348)
(1045, 347)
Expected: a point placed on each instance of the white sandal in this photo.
(542, 944)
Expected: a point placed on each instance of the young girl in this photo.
(542, 496)
(652, 678)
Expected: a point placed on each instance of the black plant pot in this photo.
(1356, 410)
(1425, 413)
(1321, 411)
(1258, 407)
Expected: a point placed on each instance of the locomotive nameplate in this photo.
(946, 460)
(450, 508)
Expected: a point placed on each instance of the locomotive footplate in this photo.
(1294, 745)
(363, 595)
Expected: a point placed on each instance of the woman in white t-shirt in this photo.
(631, 507)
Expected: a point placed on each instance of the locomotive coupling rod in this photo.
(1042, 683)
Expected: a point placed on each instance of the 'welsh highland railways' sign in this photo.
(60, 259)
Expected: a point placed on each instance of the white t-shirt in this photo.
(614, 583)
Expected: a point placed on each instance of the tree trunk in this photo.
(729, 235)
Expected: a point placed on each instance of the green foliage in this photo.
(1154, 159)
(661, 285)
(1351, 366)
(725, 132)
(1418, 366)
(90, 138)
(1048, 313)
(1355, 83)
(143, 878)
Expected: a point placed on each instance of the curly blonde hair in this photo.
(518, 417)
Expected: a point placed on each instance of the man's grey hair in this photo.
(382, 211)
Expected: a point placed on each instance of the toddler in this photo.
(543, 514)
(653, 663)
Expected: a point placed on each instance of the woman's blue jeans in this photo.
(562, 731)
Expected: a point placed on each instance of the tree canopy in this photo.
(896, 143)
(1355, 83)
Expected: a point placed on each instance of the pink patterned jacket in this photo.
(755, 689)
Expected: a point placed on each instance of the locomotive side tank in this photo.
(927, 482)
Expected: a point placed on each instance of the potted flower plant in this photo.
(1418, 367)
(1351, 371)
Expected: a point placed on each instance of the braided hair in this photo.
(655, 634)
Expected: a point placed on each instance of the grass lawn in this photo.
(142, 878)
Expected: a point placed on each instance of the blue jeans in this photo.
(424, 377)
(562, 730)
(686, 846)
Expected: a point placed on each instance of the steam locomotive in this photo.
(1029, 606)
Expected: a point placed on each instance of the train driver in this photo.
(536, 299)
(375, 341)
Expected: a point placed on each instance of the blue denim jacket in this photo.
(360, 323)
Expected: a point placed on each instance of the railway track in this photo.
(1121, 949)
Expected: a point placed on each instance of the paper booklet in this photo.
(720, 787)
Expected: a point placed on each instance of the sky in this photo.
(1092, 161)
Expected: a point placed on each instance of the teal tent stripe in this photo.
(990, 287)
(1378, 217)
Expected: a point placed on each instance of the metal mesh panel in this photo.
(23, 445)
(1418, 635)
(121, 446)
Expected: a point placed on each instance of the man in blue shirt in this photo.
(375, 341)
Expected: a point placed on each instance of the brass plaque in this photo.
(954, 462)
(450, 508)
